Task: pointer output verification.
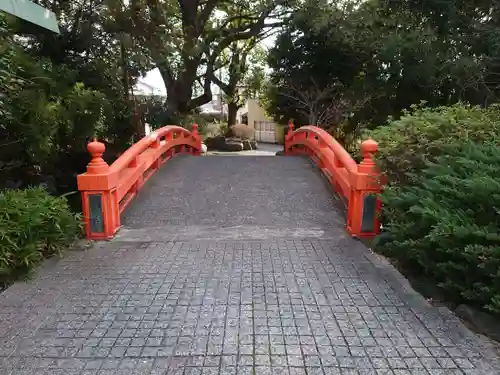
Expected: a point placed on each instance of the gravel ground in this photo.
(227, 191)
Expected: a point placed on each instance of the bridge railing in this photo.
(357, 184)
(106, 190)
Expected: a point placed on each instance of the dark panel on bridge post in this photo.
(369, 212)
(96, 216)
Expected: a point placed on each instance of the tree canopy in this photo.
(59, 90)
(341, 64)
(373, 59)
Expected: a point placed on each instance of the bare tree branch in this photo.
(322, 106)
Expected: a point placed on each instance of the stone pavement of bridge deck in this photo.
(230, 265)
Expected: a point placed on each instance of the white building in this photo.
(152, 85)
(142, 88)
(215, 106)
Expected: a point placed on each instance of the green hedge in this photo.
(406, 144)
(33, 225)
(442, 204)
(446, 224)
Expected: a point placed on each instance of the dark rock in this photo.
(215, 143)
(485, 323)
(280, 153)
(246, 145)
(233, 146)
(249, 145)
(224, 144)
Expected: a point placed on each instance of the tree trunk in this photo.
(232, 109)
(179, 99)
(172, 105)
(313, 118)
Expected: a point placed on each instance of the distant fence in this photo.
(265, 131)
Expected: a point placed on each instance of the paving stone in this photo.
(254, 276)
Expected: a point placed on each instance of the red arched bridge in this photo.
(232, 265)
(108, 190)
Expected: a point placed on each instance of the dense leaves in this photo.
(45, 117)
(310, 72)
(377, 58)
(445, 224)
(59, 90)
(406, 144)
(33, 226)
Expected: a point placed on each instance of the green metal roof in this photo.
(31, 12)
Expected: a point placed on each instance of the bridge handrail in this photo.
(107, 189)
(327, 140)
(358, 184)
(138, 148)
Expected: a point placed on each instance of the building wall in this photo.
(254, 111)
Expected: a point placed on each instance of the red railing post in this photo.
(137, 185)
(101, 213)
(321, 156)
(156, 145)
(364, 204)
(182, 147)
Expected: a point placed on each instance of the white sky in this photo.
(153, 77)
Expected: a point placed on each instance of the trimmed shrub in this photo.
(33, 225)
(445, 223)
(242, 131)
(405, 145)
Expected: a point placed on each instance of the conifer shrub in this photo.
(444, 223)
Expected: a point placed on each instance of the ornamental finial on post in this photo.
(290, 127)
(97, 165)
(368, 149)
(194, 129)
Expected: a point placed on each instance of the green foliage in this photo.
(388, 55)
(311, 72)
(222, 129)
(154, 111)
(196, 118)
(209, 31)
(33, 225)
(44, 118)
(406, 144)
(445, 223)
(48, 113)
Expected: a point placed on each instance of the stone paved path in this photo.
(252, 289)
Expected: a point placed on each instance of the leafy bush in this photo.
(33, 225)
(445, 224)
(46, 116)
(242, 131)
(420, 134)
(214, 129)
(223, 128)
